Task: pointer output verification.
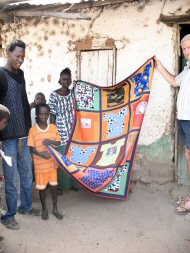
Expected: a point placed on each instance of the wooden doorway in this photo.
(97, 66)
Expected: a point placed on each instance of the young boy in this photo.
(4, 118)
(39, 98)
(40, 135)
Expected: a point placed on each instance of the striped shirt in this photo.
(63, 108)
(183, 100)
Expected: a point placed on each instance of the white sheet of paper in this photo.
(7, 159)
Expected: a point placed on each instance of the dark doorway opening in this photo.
(184, 30)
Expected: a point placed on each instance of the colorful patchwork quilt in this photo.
(107, 124)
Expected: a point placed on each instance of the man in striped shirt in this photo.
(183, 100)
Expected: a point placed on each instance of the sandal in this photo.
(182, 210)
(182, 200)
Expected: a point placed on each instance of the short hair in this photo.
(15, 43)
(4, 112)
(66, 71)
(40, 94)
(40, 105)
(185, 38)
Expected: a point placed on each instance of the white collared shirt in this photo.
(183, 99)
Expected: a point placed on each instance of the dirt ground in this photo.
(145, 223)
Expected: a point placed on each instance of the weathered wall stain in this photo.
(52, 33)
(45, 37)
(55, 21)
(84, 44)
(36, 21)
(109, 43)
(49, 78)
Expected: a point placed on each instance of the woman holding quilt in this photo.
(61, 104)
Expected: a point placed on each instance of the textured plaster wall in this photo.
(137, 35)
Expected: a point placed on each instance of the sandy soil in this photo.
(145, 223)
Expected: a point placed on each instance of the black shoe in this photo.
(34, 212)
(11, 225)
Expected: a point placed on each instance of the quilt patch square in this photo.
(115, 123)
(141, 81)
(81, 154)
(87, 128)
(115, 97)
(96, 179)
(139, 108)
(130, 146)
(87, 96)
(117, 185)
(110, 153)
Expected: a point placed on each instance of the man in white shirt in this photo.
(183, 105)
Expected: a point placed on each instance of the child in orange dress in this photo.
(40, 135)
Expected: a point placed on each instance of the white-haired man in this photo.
(183, 106)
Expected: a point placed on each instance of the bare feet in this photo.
(44, 214)
(184, 208)
(57, 214)
(182, 200)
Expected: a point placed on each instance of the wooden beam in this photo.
(61, 7)
(173, 19)
(91, 4)
(4, 3)
(62, 15)
(105, 2)
(10, 1)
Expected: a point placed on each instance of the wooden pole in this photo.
(62, 15)
(175, 19)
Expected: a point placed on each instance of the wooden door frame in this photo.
(97, 49)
